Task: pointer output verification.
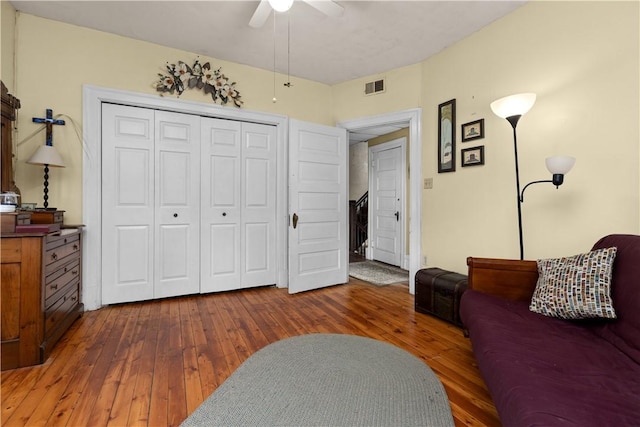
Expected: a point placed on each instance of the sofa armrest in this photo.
(506, 278)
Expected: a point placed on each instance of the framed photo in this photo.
(472, 156)
(447, 136)
(473, 130)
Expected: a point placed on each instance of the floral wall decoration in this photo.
(199, 76)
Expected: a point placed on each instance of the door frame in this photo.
(93, 97)
(400, 143)
(412, 117)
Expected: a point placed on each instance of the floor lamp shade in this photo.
(46, 155)
(560, 164)
(513, 105)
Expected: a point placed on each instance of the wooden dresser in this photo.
(41, 293)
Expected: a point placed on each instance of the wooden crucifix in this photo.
(49, 121)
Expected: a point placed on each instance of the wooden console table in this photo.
(41, 293)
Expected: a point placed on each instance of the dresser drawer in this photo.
(57, 313)
(47, 217)
(57, 281)
(57, 250)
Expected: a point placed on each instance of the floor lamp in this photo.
(513, 108)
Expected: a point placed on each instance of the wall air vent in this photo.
(374, 87)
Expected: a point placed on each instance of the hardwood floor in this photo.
(153, 363)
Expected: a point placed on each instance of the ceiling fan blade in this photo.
(261, 14)
(327, 7)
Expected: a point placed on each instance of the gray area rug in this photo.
(378, 273)
(328, 380)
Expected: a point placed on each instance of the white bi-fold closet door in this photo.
(173, 217)
(238, 216)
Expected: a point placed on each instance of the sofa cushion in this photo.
(546, 371)
(624, 333)
(576, 287)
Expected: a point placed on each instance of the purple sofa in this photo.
(544, 371)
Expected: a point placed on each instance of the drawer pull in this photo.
(74, 272)
(73, 298)
(54, 287)
(76, 247)
(54, 256)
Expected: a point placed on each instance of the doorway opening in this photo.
(365, 134)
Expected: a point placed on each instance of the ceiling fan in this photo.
(328, 7)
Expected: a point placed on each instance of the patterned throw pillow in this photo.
(577, 287)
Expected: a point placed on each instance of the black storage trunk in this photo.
(438, 293)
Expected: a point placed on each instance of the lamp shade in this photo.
(514, 105)
(560, 164)
(46, 155)
(281, 5)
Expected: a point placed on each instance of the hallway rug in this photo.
(378, 273)
(328, 380)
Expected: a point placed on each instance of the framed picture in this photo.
(447, 136)
(473, 130)
(472, 156)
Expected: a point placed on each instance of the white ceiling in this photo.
(369, 38)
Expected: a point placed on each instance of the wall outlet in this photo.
(428, 183)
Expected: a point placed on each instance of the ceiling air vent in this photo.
(374, 87)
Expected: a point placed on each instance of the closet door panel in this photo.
(133, 257)
(128, 205)
(257, 256)
(177, 195)
(258, 205)
(224, 262)
(221, 205)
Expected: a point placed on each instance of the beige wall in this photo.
(51, 75)
(402, 92)
(7, 28)
(581, 58)
(358, 170)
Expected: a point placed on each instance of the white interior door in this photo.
(128, 206)
(318, 236)
(177, 200)
(386, 206)
(238, 205)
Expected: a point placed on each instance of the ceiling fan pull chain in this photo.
(274, 59)
(288, 83)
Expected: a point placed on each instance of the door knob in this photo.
(295, 220)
